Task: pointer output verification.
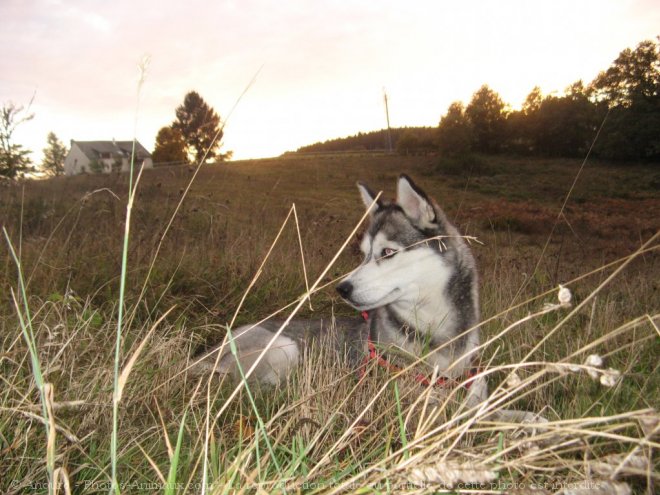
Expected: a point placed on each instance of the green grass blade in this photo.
(170, 487)
(402, 426)
(25, 321)
(122, 291)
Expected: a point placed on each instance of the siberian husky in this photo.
(417, 290)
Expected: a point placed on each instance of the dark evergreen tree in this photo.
(200, 127)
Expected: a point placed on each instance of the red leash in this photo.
(442, 381)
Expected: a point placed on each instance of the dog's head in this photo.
(403, 249)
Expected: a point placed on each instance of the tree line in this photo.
(621, 105)
(622, 102)
(423, 138)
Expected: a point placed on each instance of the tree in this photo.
(533, 101)
(631, 88)
(14, 160)
(54, 155)
(486, 114)
(199, 125)
(455, 131)
(566, 126)
(522, 125)
(635, 74)
(554, 125)
(170, 146)
(408, 143)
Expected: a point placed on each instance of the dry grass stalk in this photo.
(450, 474)
(596, 487)
(619, 465)
(324, 426)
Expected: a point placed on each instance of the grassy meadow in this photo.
(192, 259)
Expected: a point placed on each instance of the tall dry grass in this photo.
(324, 431)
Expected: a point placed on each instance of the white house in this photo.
(104, 157)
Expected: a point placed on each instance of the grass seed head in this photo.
(564, 295)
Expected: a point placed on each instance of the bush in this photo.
(467, 165)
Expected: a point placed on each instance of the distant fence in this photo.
(311, 154)
(295, 155)
(169, 164)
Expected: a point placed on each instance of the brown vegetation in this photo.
(324, 430)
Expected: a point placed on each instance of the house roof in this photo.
(94, 149)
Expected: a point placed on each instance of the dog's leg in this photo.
(478, 394)
(250, 341)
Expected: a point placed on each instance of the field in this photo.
(192, 259)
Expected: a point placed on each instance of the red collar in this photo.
(443, 382)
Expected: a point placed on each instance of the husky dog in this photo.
(418, 281)
(417, 291)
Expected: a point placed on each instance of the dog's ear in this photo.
(414, 202)
(368, 197)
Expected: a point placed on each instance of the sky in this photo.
(321, 66)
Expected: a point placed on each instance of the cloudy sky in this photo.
(324, 64)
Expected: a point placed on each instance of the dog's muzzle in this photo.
(345, 289)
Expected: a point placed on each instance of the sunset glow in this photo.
(324, 64)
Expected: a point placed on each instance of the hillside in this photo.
(190, 273)
(375, 140)
(607, 211)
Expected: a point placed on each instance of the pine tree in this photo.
(199, 125)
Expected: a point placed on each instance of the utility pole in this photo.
(387, 115)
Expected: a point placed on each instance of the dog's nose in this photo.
(345, 289)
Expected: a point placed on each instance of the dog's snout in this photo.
(345, 289)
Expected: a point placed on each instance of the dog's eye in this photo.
(387, 252)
